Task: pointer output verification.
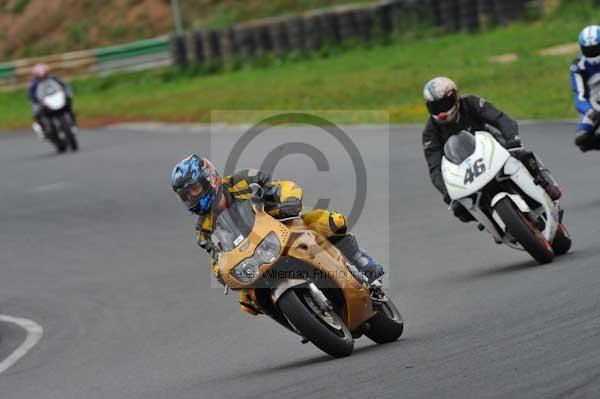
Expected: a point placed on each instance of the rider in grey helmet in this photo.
(451, 114)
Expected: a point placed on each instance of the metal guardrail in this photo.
(7, 69)
(132, 50)
(137, 55)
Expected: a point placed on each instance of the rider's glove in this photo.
(218, 275)
(514, 143)
(462, 213)
(206, 245)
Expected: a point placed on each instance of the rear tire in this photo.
(336, 343)
(562, 241)
(523, 231)
(387, 324)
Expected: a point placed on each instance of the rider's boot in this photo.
(549, 183)
(584, 140)
(359, 258)
(40, 126)
(246, 303)
(39, 131)
(541, 175)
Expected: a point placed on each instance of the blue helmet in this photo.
(589, 41)
(197, 183)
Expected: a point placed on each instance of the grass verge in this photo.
(387, 77)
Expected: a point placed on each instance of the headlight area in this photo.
(512, 166)
(266, 252)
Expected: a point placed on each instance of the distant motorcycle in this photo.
(501, 194)
(58, 125)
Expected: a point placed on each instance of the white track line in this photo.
(34, 334)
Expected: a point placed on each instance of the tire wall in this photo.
(314, 29)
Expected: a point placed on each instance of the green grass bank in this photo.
(378, 76)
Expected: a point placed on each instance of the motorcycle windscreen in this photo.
(233, 225)
(47, 88)
(459, 147)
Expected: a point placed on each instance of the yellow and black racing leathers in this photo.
(282, 199)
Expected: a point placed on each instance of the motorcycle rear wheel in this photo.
(387, 324)
(524, 232)
(328, 333)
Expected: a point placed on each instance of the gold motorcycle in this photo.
(298, 278)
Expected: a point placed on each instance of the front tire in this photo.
(336, 341)
(67, 127)
(524, 232)
(54, 137)
(60, 145)
(387, 324)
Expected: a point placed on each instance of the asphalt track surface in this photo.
(96, 249)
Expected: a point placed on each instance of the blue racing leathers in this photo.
(583, 73)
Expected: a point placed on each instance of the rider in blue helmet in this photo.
(206, 194)
(585, 81)
(197, 183)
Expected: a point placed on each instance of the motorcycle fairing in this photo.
(51, 94)
(487, 152)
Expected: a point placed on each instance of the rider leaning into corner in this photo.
(199, 186)
(451, 114)
(41, 72)
(585, 75)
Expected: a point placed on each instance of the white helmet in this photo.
(441, 96)
(589, 42)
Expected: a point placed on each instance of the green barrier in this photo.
(131, 50)
(7, 70)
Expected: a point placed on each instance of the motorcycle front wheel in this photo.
(67, 128)
(326, 330)
(562, 241)
(60, 144)
(530, 238)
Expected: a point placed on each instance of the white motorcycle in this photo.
(501, 194)
(58, 126)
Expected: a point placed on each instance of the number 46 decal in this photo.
(474, 171)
